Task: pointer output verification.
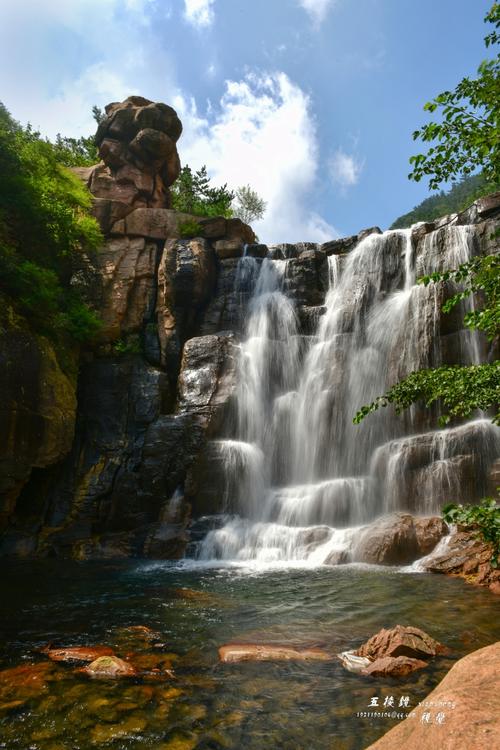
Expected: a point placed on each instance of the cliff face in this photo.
(156, 393)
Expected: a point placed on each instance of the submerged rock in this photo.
(237, 652)
(77, 653)
(401, 641)
(461, 713)
(109, 667)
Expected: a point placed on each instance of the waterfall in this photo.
(301, 479)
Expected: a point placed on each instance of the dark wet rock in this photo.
(401, 641)
(127, 290)
(186, 281)
(228, 249)
(393, 666)
(37, 413)
(208, 373)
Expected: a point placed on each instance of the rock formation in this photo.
(156, 393)
(461, 713)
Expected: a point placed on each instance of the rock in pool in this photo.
(109, 667)
(236, 652)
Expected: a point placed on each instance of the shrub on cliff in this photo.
(45, 230)
(193, 194)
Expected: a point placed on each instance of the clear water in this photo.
(290, 706)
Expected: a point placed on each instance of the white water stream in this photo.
(302, 478)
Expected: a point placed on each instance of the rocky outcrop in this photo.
(392, 653)
(401, 641)
(461, 713)
(393, 666)
(467, 556)
(37, 412)
(398, 539)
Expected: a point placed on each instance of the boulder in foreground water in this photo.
(236, 652)
(393, 666)
(401, 641)
(461, 713)
(109, 667)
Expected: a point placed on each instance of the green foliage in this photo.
(189, 228)
(131, 345)
(460, 389)
(45, 230)
(248, 205)
(484, 517)
(461, 195)
(76, 152)
(467, 137)
(192, 194)
(481, 274)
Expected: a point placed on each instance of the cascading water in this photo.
(301, 478)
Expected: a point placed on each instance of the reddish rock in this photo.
(238, 230)
(26, 676)
(495, 587)
(401, 641)
(471, 687)
(236, 652)
(399, 539)
(109, 667)
(466, 556)
(77, 653)
(393, 666)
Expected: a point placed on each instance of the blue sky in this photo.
(312, 102)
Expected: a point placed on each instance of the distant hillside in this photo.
(440, 204)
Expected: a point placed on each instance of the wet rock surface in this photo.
(469, 557)
(399, 539)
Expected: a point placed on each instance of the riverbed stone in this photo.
(401, 640)
(109, 667)
(237, 652)
(77, 653)
(393, 666)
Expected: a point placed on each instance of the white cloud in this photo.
(317, 9)
(262, 133)
(345, 169)
(58, 97)
(199, 12)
